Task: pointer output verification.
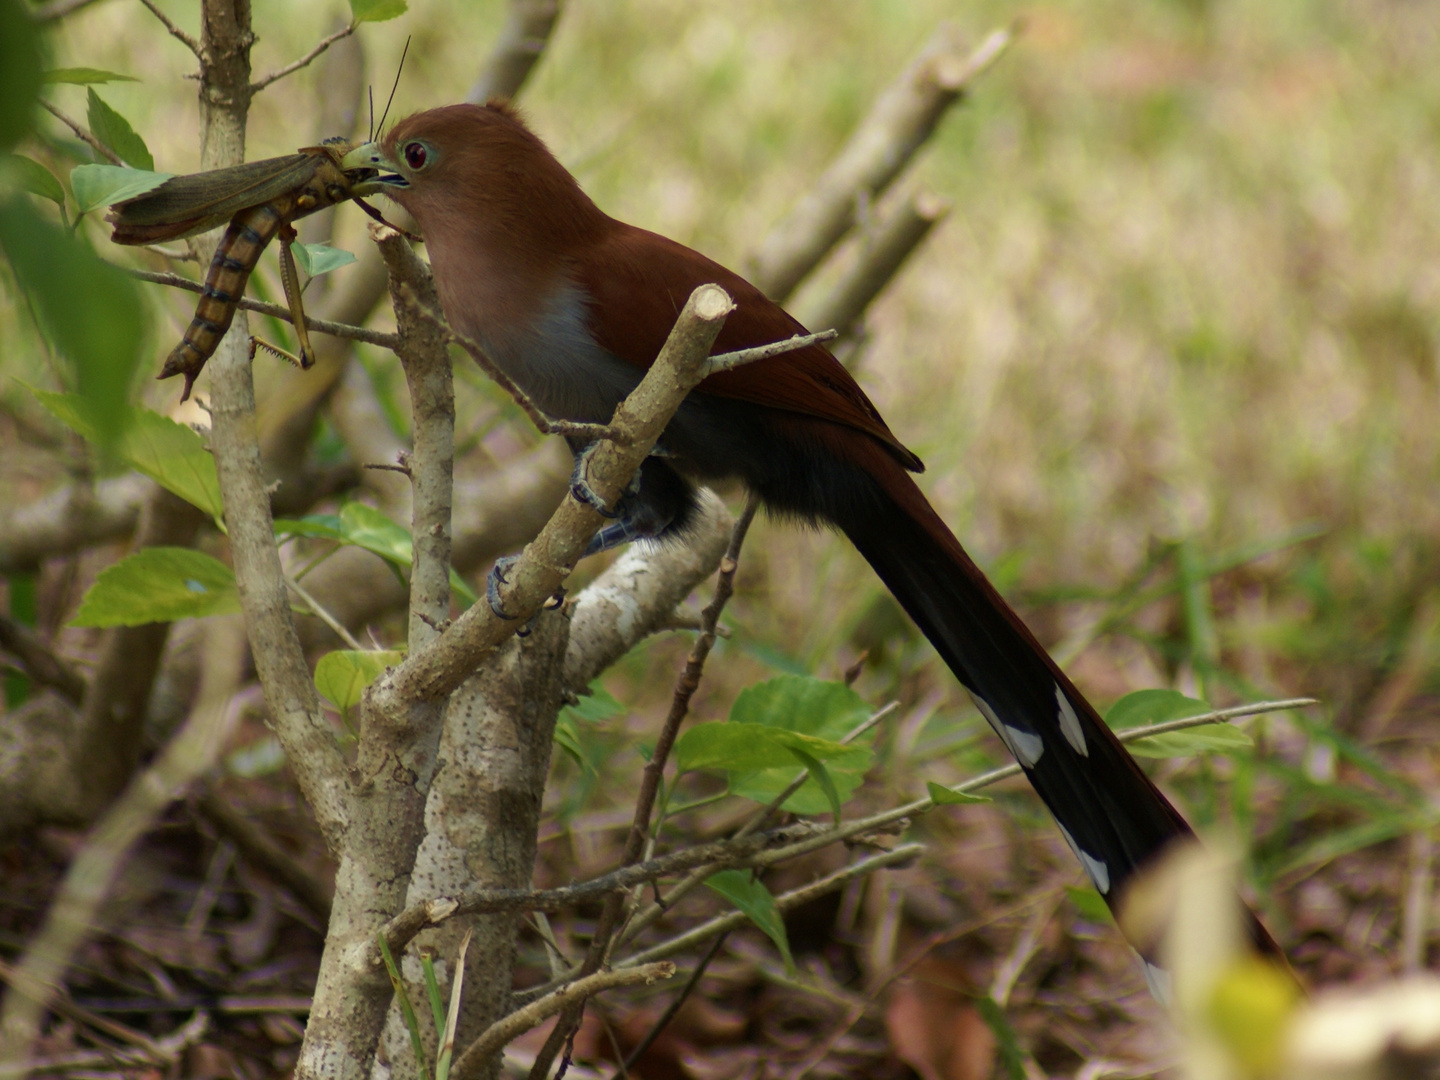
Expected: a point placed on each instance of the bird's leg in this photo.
(580, 487)
(642, 510)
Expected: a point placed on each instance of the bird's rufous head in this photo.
(463, 167)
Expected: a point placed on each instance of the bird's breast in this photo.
(548, 351)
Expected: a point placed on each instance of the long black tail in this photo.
(1110, 813)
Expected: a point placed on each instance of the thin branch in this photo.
(545, 424)
(902, 118)
(722, 854)
(517, 50)
(84, 133)
(650, 779)
(40, 662)
(74, 912)
(433, 671)
(431, 462)
(858, 1008)
(784, 902)
(180, 35)
(318, 610)
(276, 311)
(674, 1007)
(290, 69)
(262, 849)
(646, 918)
(726, 361)
(883, 252)
(537, 1012)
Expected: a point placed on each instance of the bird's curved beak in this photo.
(371, 158)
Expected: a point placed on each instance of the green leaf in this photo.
(761, 762)
(830, 710)
(83, 76)
(159, 584)
(342, 676)
(35, 178)
(317, 259)
(105, 185)
(115, 131)
(20, 68)
(941, 795)
(1204, 739)
(1146, 707)
(749, 895)
(170, 453)
(93, 311)
(1089, 904)
(317, 526)
(812, 707)
(366, 527)
(821, 776)
(376, 10)
(595, 705)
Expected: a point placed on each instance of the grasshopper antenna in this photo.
(370, 92)
(403, 53)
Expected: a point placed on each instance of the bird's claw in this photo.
(494, 580)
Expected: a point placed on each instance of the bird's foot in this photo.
(496, 578)
(581, 490)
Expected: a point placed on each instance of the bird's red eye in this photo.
(416, 155)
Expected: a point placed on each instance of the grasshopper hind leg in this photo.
(290, 278)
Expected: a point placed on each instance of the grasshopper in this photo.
(260, 200)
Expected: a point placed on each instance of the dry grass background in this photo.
(1188, 297)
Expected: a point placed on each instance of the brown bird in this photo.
(574, 306)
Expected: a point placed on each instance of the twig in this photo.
(175, 31)
(545, 424)
(84, 133)
(884, 251)
(40, 662)
(73, 914)
(318, 610)
(641, 922)
(289, 69)
(537, 1012)
(674, 1007)
(438, 668)
(721, 855)
(859, 1008)
(517, 50)
(650, 779)
(903, 117)
(726, 361)
(261, 848)
(276, 311)
(77, 516)
(785, 902)
(431, 461)
(1414, 927)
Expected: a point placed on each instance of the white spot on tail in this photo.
(1096, 868)
(1025, 745)
(1160, 983)
(1070, 723)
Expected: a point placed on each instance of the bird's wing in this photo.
(638, 281)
